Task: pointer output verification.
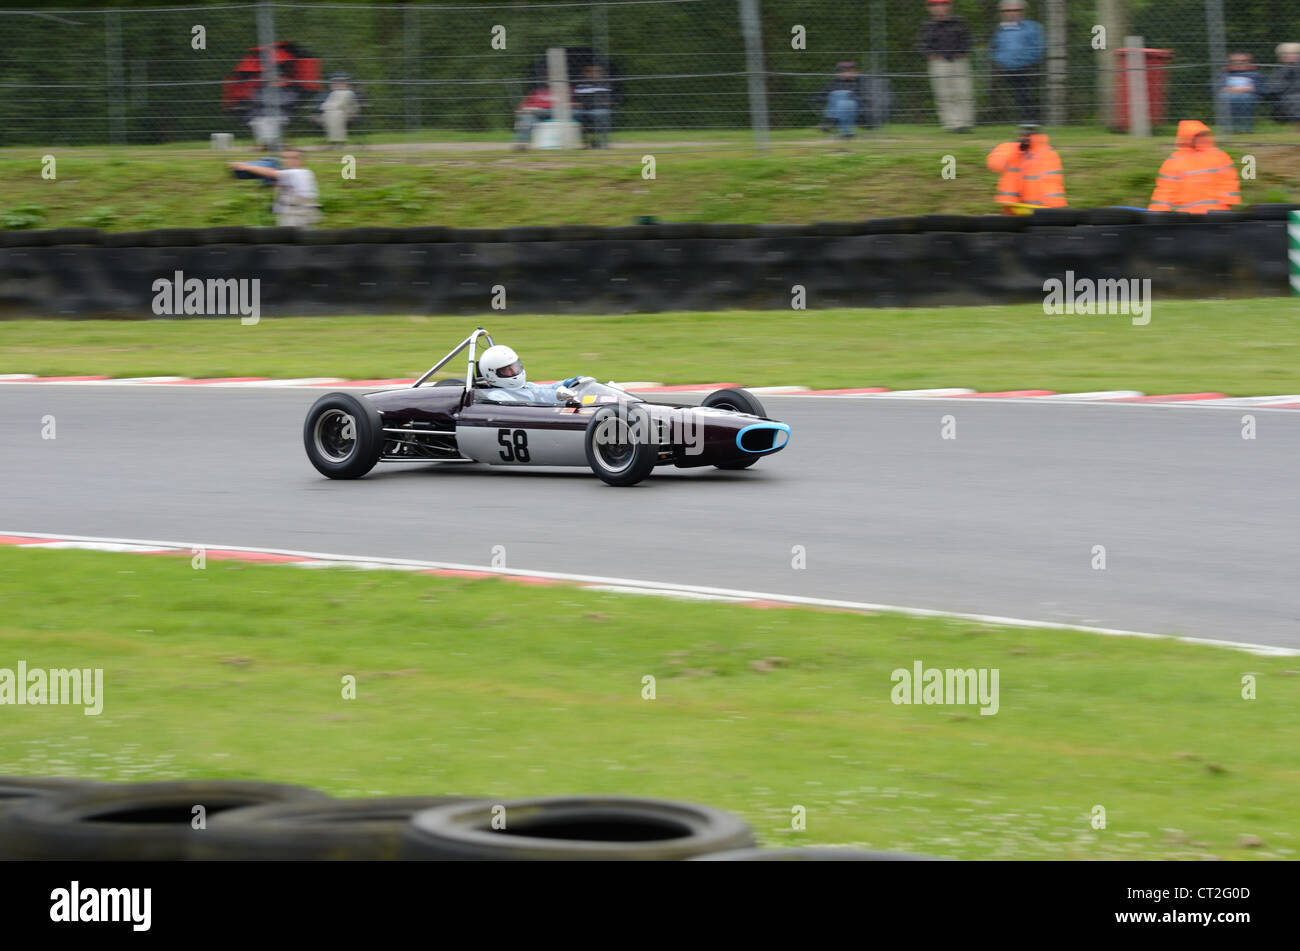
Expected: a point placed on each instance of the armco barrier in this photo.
(581, 269)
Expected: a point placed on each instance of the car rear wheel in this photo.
(343, 435)
(739, 401)
(619, 450)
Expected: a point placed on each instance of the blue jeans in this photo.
(843, 109)
(1241, 111)
(525, 119)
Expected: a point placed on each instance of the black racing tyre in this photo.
(605, 828)
(130, 821)
(812, 854)
(365, 830)
(343, 435)
(742, 401)
(735, 398)
(614, 452)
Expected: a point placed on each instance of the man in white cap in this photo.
(339, 108)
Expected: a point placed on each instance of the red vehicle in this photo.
(297, 73)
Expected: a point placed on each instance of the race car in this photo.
(619, 436)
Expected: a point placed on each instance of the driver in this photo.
(507, 382)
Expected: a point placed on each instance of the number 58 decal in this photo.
(514, 443)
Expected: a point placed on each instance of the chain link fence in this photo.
(1074, 83)
(426, 70)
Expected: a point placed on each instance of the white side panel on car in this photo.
(521, 446)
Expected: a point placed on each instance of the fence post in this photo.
(600, 35)
(1218, 58)
(1056, 62)
(113, 55)
(879, 64)
(411, 38)
(749, 24)
(1111, 17)
(557, 69)
(270, 90)
(1139, 113)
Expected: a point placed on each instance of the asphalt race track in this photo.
(1201, 527)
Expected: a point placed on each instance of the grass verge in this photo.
(502, 689)
(1240, 347)
(701, 176)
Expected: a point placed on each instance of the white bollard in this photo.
(222, 141)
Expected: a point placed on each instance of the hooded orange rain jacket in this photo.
(1198, 177)
(1029, 178)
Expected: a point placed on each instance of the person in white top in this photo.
(340, 107)
(296, 195)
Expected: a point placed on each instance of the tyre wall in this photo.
(575, 269)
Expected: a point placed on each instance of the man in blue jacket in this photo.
(1017, 52)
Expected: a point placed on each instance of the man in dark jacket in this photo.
(1283, 85)
(593, 105)
(945, 41)
(1239, 89)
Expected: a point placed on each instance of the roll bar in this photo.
(472, 342)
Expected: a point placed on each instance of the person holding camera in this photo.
(1031, 174)
(297, 199)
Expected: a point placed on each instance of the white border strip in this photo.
(633, 586)
(1286, 403)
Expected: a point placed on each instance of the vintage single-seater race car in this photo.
(619, 436)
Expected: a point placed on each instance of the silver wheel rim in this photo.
(623, 452)
(335, 435)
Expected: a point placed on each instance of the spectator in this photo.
(1017, 52)
(593, 99)
(1240, 91)
(1198, 177)
(535, 108)
(1283, 85)
(945, 41)
(843, 101)
(296, 196)
(339, 108)
(266, 119)
(1031, 172)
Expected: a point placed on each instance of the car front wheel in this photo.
(619, 449)
(343, 435)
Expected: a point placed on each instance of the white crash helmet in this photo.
(500, 366)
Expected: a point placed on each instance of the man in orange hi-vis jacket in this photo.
(1198, 177)
(1031, 173)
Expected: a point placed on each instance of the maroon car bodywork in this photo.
(691, 436)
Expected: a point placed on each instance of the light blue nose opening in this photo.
(763, 437)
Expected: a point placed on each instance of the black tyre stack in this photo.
(216, 820)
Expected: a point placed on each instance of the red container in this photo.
(1157, 70)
